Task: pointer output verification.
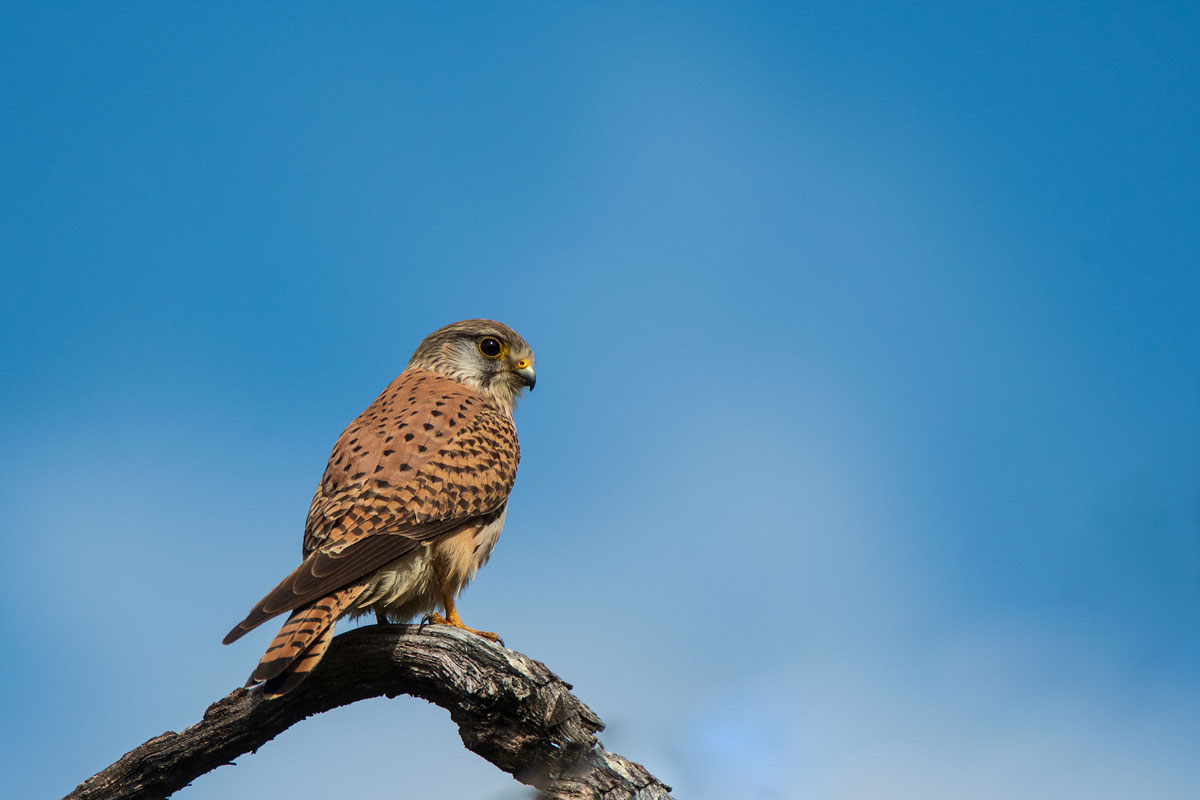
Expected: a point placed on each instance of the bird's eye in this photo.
(491, 347)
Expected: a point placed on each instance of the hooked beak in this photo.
(525, 374)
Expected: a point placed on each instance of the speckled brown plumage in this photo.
(412, 499)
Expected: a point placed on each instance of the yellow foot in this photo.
(454, 621)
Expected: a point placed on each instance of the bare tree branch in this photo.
(509, 709)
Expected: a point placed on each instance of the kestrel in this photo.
(411, 502)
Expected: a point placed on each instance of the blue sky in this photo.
(864, 455)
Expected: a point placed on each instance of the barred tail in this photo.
(302, 641)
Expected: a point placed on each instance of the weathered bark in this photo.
(509, 709)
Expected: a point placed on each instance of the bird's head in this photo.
(482, 353)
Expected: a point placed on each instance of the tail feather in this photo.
(299, 669)
(302, 641)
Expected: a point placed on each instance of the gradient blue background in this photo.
(865, 456)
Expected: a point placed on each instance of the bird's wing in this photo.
(426, 457)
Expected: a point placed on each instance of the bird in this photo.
(411, 502)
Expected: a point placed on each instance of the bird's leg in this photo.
(452, 619)
(380, 619)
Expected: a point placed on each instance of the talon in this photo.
(454, 621)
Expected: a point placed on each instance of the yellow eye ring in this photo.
(491, 347)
